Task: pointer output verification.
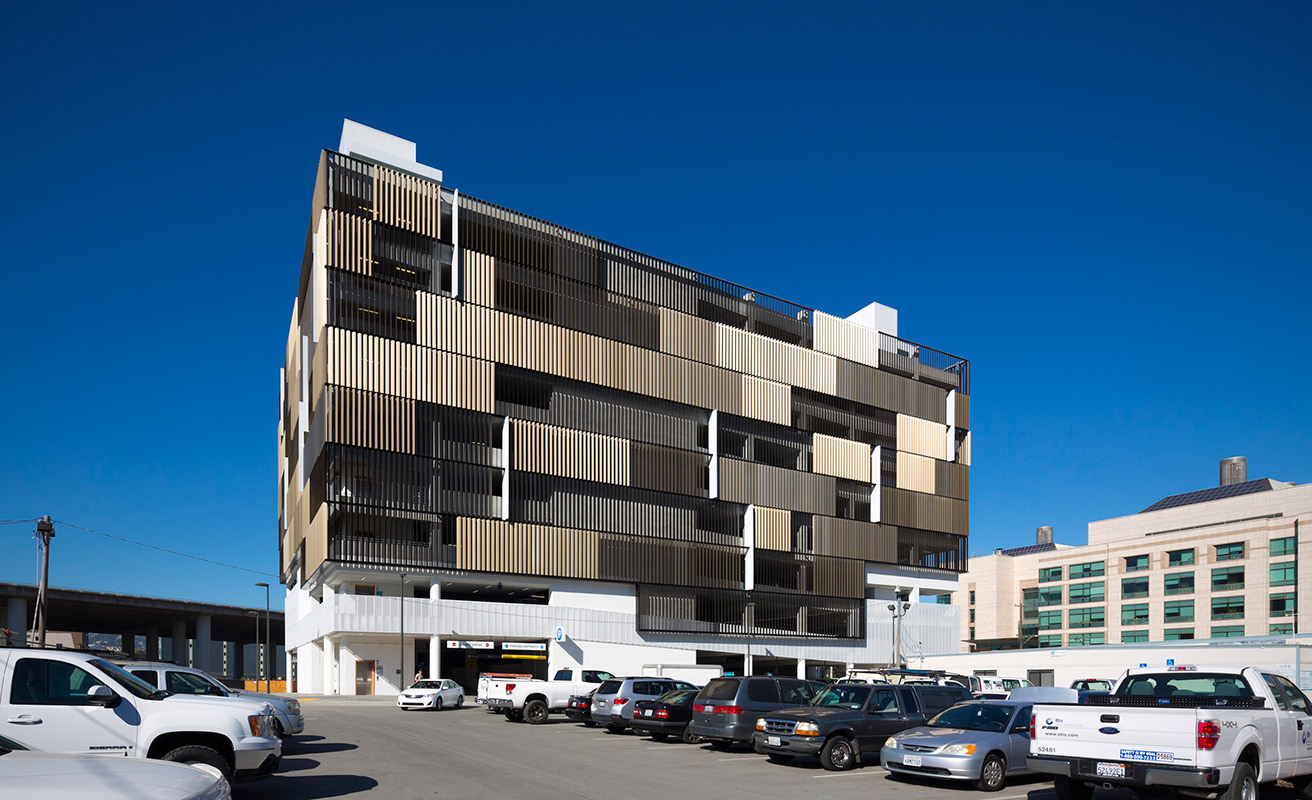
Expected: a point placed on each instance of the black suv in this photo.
(846, 720)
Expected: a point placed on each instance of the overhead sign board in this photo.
(457, 644)
(537, 647)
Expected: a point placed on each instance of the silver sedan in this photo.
(984, 741)
(434, 694)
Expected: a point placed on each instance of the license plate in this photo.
(773, 741)
(911, 761)
(646, 712)
(1110, 770)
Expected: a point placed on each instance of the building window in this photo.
(1282, 629)
(972, 616)
(1049, 620)
(1180, 583)
(972, 597)
(1082, 639)
(1087, 618)
(972, 634)
(1134, 614)
(1227, 631)
(1050, 640)
(1178, 611)
(1030, 604)
(1134, 587)
(1225, 579)
(1179, 558)
(1132, 637)
(1049, 574)
(1287, 546)
(1176, 634)
(1093, 569)
(1227, 608)
(1050, 596)
(1230, 552)
(1094, 592)
(1284, 574)
(1136, 563)
(1284, 604)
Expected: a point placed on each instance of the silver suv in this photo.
(174, 679)
(612, 705)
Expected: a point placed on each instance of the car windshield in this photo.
(1185, 684)
(127, 680)
(426, 685)
(1096, 686)
(609, 687)
(843, 696)
(678, 697)
(988, 717)
(720, 689)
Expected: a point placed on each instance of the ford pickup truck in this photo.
(535, 700)
(1204, 731)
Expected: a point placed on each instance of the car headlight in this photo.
(293, 706)
(959, 750)
(760, 724)
(807, 729)
(259, 724)
(891, 743)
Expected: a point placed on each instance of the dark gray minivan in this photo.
(726, 710)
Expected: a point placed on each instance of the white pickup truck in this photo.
(1211, 732)
(534, 700)
(65, 701)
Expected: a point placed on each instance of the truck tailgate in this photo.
(1117, 733)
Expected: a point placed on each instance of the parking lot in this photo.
(357, 745)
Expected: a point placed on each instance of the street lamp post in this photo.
(268, 640)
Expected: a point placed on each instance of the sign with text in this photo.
(456, 644)
(536, 647)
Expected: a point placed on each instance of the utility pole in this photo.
(46, 530)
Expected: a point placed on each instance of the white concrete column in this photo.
(749, 539)
(201, 659)
(505, 469)
(952, 425)
(435, 656)
(713, 443)
(152, 643)
(876, 477)
(329, 665)
(801, 668)
(180, 643)
(17, 613)
(455, 244)
(287, 657)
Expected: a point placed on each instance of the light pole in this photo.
(267, 638)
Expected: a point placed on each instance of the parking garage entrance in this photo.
(463, 660)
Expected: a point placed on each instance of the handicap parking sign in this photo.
(1170, 662)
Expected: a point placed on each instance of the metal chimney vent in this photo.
(1234, 470)
(1044, 535)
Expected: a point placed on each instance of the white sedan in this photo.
(435, 694)
(75, 776)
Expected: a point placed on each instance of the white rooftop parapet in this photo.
(376, 145)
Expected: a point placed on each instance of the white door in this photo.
(47, 708)
(1297, 750)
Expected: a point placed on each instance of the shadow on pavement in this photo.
(304, 787)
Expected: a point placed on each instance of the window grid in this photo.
(1179, 558)
(1091, 569)
(1285, 546)
(1134, 587)
(1180, 583)
(1136, 563)
(1230, 552)
(1087, 617)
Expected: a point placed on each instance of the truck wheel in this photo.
(196, 754)
(536, 712)
(1244, 784)
(780, 758)
(1071, 789)
(514, 716)
(838, 754)
(993, 775)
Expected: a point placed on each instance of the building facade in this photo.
(508, 446)
(1212, 564)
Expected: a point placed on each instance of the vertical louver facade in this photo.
(469, 389)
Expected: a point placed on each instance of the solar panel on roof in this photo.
(1213, 493)
(1029, 548)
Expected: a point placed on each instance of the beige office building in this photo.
(1210, 564)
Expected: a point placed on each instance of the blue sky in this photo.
(1105, 206)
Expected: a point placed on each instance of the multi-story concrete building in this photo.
(1210, 564)
(507, 446)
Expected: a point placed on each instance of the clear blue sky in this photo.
(1105, 206)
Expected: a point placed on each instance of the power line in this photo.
(166, 550)
(16, 521)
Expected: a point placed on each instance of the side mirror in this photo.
(216, 691)
(102, 696)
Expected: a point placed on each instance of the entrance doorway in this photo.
(364, 677)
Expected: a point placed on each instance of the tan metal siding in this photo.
(846, 339)
(852, 538)
(775, 487)
(906, 396)
(922, 437)
(840, 457)
(773, 528)
(496, 546)
(917, 473)
(924, 511)
(963, 410)
(407, 202)
(963, 452)
(350, 243)
(567, 453)
(839, 577)
(365, 419)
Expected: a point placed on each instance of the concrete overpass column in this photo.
(17, 607)
(435, 642)
(152, 643)
(201, 660)
(180, 643)
(801, 668)
(128, 644)
(329, 665)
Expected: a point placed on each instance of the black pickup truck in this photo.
(846, 720)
